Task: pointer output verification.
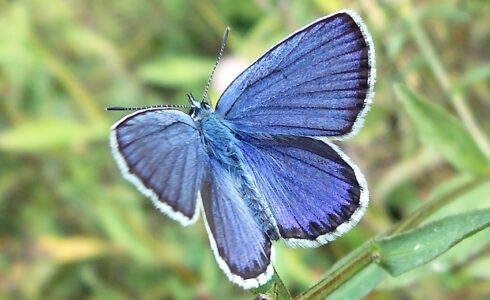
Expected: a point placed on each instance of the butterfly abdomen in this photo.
(222, 145)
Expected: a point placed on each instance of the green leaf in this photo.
(401, 253)
(461, 254)
(473, 75)
(396, 43)
(454, 14)
(444, 133)
(48, 133)
(176, 71)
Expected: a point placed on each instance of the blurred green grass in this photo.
(71, 227)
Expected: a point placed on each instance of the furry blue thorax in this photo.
(221, 144)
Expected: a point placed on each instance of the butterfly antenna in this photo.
(223, 44)
(147, 107)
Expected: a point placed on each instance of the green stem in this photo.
(340, 273)
(62, 72)
(440, 73)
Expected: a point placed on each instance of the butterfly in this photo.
(262, 166)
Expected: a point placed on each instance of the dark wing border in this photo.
(246, 283)
(359, 122)
(123, 166)
(351, 221)
(253, 281)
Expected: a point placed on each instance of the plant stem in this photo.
(63, 73)
(440, 73)
(340, 273)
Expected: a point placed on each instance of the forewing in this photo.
(313, 190)
(317, 82)
(160, 151)
(241, 249)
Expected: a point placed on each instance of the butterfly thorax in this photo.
(222, 145)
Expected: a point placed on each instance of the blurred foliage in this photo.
(71, 227)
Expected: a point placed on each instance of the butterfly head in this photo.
(199, 110)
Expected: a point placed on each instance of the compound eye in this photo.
(192, 112)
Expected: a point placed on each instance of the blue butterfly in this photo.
(261, 166)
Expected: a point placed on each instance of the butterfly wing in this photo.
(313, 190)
(242, 250)
(160, 151)
(317, 82)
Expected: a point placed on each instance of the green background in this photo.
(72, 228)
